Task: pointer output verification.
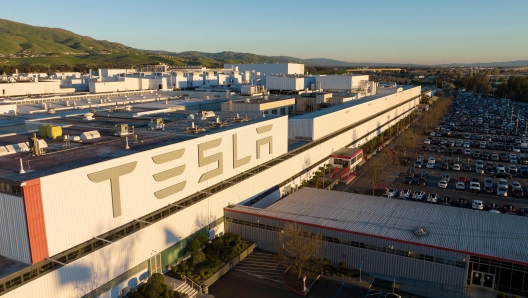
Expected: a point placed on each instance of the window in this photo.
(274, 112)
(283, 111)
(338, 161)
(290, 109)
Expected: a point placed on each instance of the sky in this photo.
(403, 31)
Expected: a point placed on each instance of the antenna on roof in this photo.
(21, 167)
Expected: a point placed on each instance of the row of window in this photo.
(382, 249)
(11, 189)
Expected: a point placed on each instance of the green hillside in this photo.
(17, 37)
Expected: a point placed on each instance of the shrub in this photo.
(194, 246)
(202, 239)
(501, 295)
(342, 265)
(198, 257)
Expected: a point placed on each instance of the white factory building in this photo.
(269, 68)
(95, 218)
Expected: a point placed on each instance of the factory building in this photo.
(273, 105)
(402, 239)
(136, 172)
(269, 68)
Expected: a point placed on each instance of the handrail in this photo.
(185, 279)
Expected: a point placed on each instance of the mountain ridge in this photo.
(70, 48)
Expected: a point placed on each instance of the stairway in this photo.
(185, 288)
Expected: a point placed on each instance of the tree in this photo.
(194, 246)
(425, 99)
(374, 171)
(153, 288)
(406, 141)
(297, 247)
(198, 257)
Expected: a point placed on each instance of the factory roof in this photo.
(177, 128)
(467, 231)
(343, 106)
(263, 99)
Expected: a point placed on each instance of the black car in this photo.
(425, 148)
(524, 174)
(489, 170)
(462, 202)
(484, 155)
(422, 181)
(408, 180)
(467, 168)
(502, 175)
(432, 149)
(444, 166)
(517, 192)
(459, 151)
(488, 190)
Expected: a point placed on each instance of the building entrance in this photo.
(155, 264)
(484, 280)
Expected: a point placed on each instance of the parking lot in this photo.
(476, 157)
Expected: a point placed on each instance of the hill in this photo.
(31, 48)
(18, 37)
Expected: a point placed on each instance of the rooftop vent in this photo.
(194, 129)
(420, 232)
(122, 130)
(89, 116)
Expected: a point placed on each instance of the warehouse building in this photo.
(133, 173)
(414, 242)
(273, 105)
(269, 68)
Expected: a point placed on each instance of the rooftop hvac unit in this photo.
(89, 116)
(122, 130)
(156, 124)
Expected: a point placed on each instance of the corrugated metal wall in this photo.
(36, 224)
(14, 241)
(452, 277)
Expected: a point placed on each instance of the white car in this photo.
(502, 183)
(418, 195)
(430, 165)
(474, 186)
(432, 198)
(427, 141)
(433, 134)
(431, 160)
(477, 204)
(461, 185)
(442, 184)
(405, 194)
(466, 144)
(512, 168)
(456, 167)
(516, 149)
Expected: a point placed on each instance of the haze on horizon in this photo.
(421, 32)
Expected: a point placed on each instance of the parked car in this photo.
(442, 184)
(418, 164)
(474, 187)
(508, 209)
(477, 204)
(493, 206)
(462, 202)
(488, 182)
(408, 180)
(432, 198)
(418, 195)
(392, 192)
(502, 191)
(461, 185)
(456, 167)
(446, 200)
(430, 165)
(446, 177)
(405, 194)
(422, 181)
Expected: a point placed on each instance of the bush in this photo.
(202, 239)
(194, 246)
(501, 295)
(198, 257)
(342, 265)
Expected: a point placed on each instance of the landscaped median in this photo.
(211, 260)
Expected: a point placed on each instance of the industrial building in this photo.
(266, 104)
(410, 241)
(269, 68)
(132, 176)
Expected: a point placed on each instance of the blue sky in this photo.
(401, 31)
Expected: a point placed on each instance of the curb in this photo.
(295, 291)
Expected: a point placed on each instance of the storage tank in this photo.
(54, 132)
(43, 130)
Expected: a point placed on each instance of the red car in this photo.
(509, 208)
(493, 206)
(462, 179)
